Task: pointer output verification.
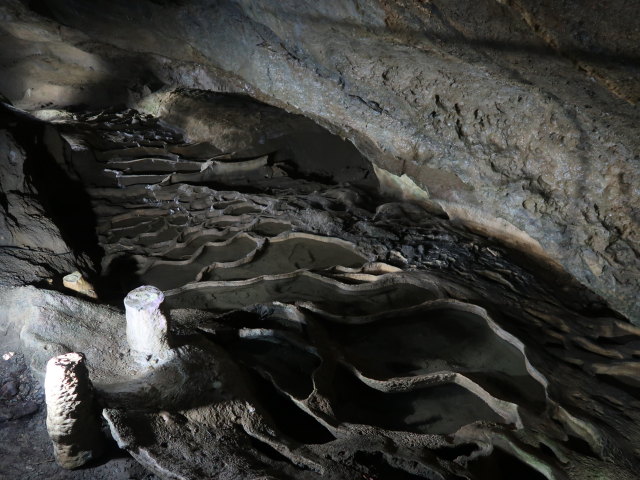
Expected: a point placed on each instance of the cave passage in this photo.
(321, 328)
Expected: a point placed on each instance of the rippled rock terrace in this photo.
(323, 329)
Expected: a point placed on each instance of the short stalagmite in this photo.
(147, 326)
(71, 420)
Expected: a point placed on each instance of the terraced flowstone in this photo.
(319, 330)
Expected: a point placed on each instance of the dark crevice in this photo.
(581, 446)
(502, 466)
(633, 390)
(267, 450)
(4, 202)
(64, 200)
(379, 468)
(453, 452)
(119, 278)
(288, 417)
(290, 367)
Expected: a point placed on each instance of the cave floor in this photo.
(322, 330)
(25, 446)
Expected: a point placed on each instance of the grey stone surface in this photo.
(147, 326)
(31, 246)
(322, 331)
(25, 449)
(508, 114)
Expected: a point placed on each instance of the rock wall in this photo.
(507, 113)
(32, 248)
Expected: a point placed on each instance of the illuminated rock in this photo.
(75, 281)
(147, 326)
(71, 421)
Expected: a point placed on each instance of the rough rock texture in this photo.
(147, 326)
(518, 112)
(235, 124)
(322, 331)
(32, 247)
(25, 450)
(312, 389)
(72, 422)
(330, 317)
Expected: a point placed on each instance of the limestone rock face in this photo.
(71, 418)
(236, 124)
(31, 245)
(319, 329)
(506, 113)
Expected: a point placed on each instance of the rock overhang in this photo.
(493, 110)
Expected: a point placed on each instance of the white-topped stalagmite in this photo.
(147, 326)
(72, 420)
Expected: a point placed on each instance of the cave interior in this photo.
(353, 239)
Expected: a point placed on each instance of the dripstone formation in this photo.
(147, 326)
(71, 413)
(318, 240)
